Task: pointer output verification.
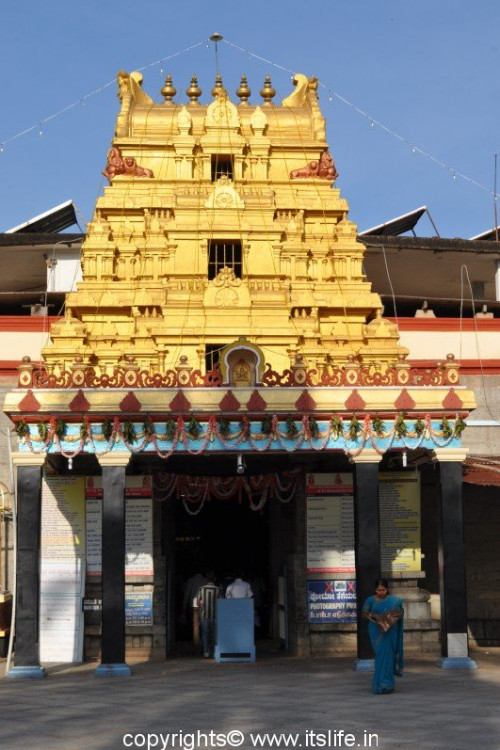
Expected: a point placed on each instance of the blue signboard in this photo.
(139, 608)
(331, 602)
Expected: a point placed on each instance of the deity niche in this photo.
(242, 374)
(128, 166)
(324, 169)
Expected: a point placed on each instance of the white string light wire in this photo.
(373, 122)
(83, 99)
(456, 174)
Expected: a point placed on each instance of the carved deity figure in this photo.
(327, 169)
(114, 165)
(242, 374)
(132, 169)
(128, 166)
(324, 169)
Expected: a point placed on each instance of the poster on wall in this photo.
(330, 523)
(400, 523)
(138, 526)
(62, 567)
(138, 608)
(331, 602)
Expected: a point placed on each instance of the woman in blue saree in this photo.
(384, 613)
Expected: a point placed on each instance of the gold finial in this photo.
(218, 88)
(194, 91)
(168, 91)
(267, 92)
(313, 83)
(244, 92)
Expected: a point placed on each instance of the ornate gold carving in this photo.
(298, 97)
(222, 113)
(184, 121)
(227, 296)
(146, 252)
(224, 195)
(258, 121)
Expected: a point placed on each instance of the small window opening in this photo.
(212, 354)
(222, 164)
(224, 253)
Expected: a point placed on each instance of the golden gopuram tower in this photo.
(221, 221)
(225, 340)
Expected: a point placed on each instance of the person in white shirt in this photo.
(239, 589)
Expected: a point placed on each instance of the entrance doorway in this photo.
(231, 539)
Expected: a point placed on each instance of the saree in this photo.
(387, 644)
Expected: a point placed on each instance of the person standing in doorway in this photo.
(239, 589)
(207, 604)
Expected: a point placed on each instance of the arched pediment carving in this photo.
(242, 364)
(222, 113)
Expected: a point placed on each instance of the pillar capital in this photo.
(114, 458)
(368, 456)
(450, 454)
(21, 458)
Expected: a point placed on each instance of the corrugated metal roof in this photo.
(55, 220)
(492, 235)
(399, 225)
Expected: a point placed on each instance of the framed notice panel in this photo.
(62, 565)
(331, 602)
(138, 608)
(138, 526)
(330, 523)
(399, 498)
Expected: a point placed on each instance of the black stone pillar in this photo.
(454, 639)
(367, 546)
(113, 571)
(27, 645)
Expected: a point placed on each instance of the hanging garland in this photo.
(194, 492)
(195, 438)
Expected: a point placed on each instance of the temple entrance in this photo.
(232, 539)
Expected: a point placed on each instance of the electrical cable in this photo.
(373, 121)
(82, 100)
(392, 288)
(464, 271)
(455, 173)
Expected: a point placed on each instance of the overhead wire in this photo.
(455, 173)
(82, 99)
(330, 91)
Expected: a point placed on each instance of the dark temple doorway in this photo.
(229, 538)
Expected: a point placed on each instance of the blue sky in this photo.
(428, 71)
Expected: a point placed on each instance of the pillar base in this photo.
(364, 665)
(26, 673)
(113, 670)
(456, 662)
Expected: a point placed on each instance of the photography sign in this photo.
(331, 602)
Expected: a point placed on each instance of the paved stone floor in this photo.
(431, 710)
